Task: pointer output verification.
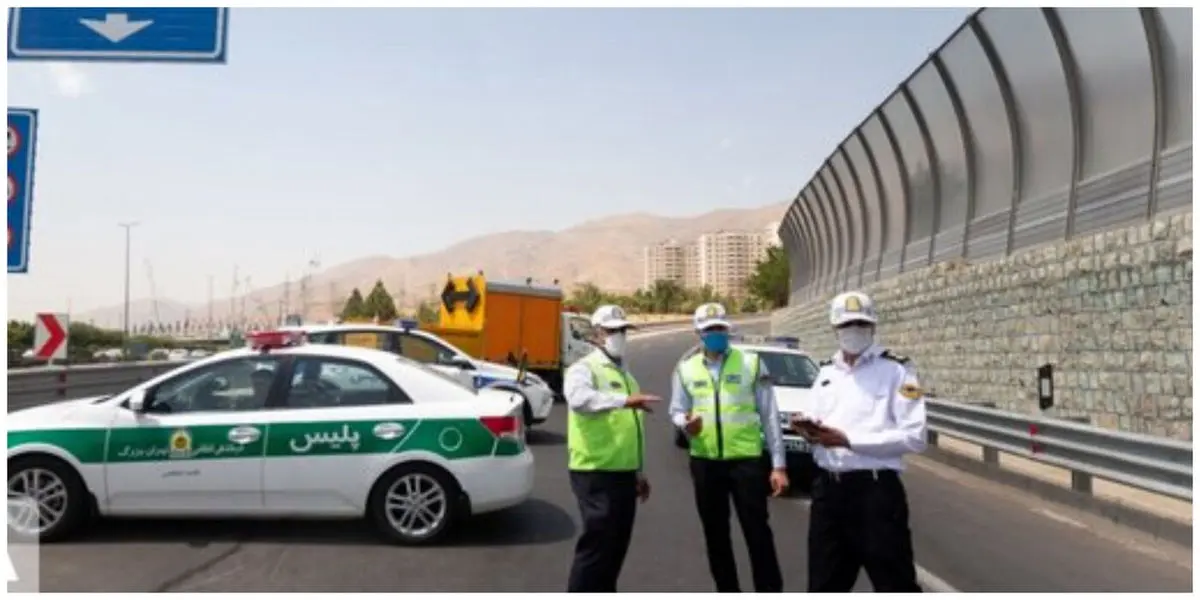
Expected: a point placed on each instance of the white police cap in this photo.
(851, 306)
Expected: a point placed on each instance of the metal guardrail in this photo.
(1158, 465)
(32, 387)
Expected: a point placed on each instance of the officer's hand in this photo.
(779, 482)
(694, 425)
(643, 488)
(641, 401)
(807, 427)
(832, 438)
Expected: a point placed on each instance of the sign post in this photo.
(22, 140)
(50, 335)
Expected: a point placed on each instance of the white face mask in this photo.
(614, 344)
(855, 339)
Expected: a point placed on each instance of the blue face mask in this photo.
(715, 341)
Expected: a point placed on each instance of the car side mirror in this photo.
(137, 401)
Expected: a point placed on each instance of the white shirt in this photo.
(868, 402)
(579, 388)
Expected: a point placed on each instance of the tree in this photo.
(586, 297)
(769, 282)
(380, 304)
(668, 296)
(426, 312)
(355, 307)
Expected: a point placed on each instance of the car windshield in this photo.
(790, 370)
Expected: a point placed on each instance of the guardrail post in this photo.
(931, 438)
(991, 456)
(61, 388)
(1081, 482)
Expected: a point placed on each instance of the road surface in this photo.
(970, 535)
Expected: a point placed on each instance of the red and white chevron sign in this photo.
(50, 336)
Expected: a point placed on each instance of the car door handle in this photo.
(388, 431)
(244, 435)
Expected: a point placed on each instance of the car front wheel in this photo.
(415, 505)
(47, 500)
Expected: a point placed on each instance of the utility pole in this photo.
(208, 327)
(333, 301)
(128, 227)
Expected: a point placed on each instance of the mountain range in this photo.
(606, 252)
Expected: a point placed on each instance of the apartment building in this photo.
(722, 260)
(664, 261)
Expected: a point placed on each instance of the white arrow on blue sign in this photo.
(22, 142)
(118, 34)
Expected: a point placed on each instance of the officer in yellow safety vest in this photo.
(605, 447)
(721, 398)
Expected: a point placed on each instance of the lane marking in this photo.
(1049, 514)
(928, 581)
(688, 328)
(932, 583)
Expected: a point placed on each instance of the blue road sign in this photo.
(22, 142)
(118, 34)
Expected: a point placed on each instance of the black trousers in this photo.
(745, 481)
(860, 521)
(607, 507)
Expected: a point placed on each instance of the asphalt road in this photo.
(970, 534)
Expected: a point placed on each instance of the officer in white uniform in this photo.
(869, 412)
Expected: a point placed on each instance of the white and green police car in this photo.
(793, 373)
(426, 348)
(278, 429)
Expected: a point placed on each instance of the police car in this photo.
(280, 428)
(793, 373)
(427, 348)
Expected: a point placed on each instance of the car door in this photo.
(197, 446)
(337, 416)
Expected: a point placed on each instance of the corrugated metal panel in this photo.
(947, 244)
(1112, 200)
(1041, 221)
(989, 236)
(916, 254)
(1175, 179)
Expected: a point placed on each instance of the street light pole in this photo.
(128, 226)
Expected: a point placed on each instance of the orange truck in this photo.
(511, 323)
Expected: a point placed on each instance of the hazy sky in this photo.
(345, 133)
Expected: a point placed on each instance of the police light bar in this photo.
(407, 323)
(269, 340)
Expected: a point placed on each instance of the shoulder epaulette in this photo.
(894, 357)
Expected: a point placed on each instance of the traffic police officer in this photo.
(605, 446)
(868, 412)
(723, 400)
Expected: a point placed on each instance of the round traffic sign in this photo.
(14, 140)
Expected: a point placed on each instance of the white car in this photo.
(277, 429)
(793, 373)
(427, 348)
